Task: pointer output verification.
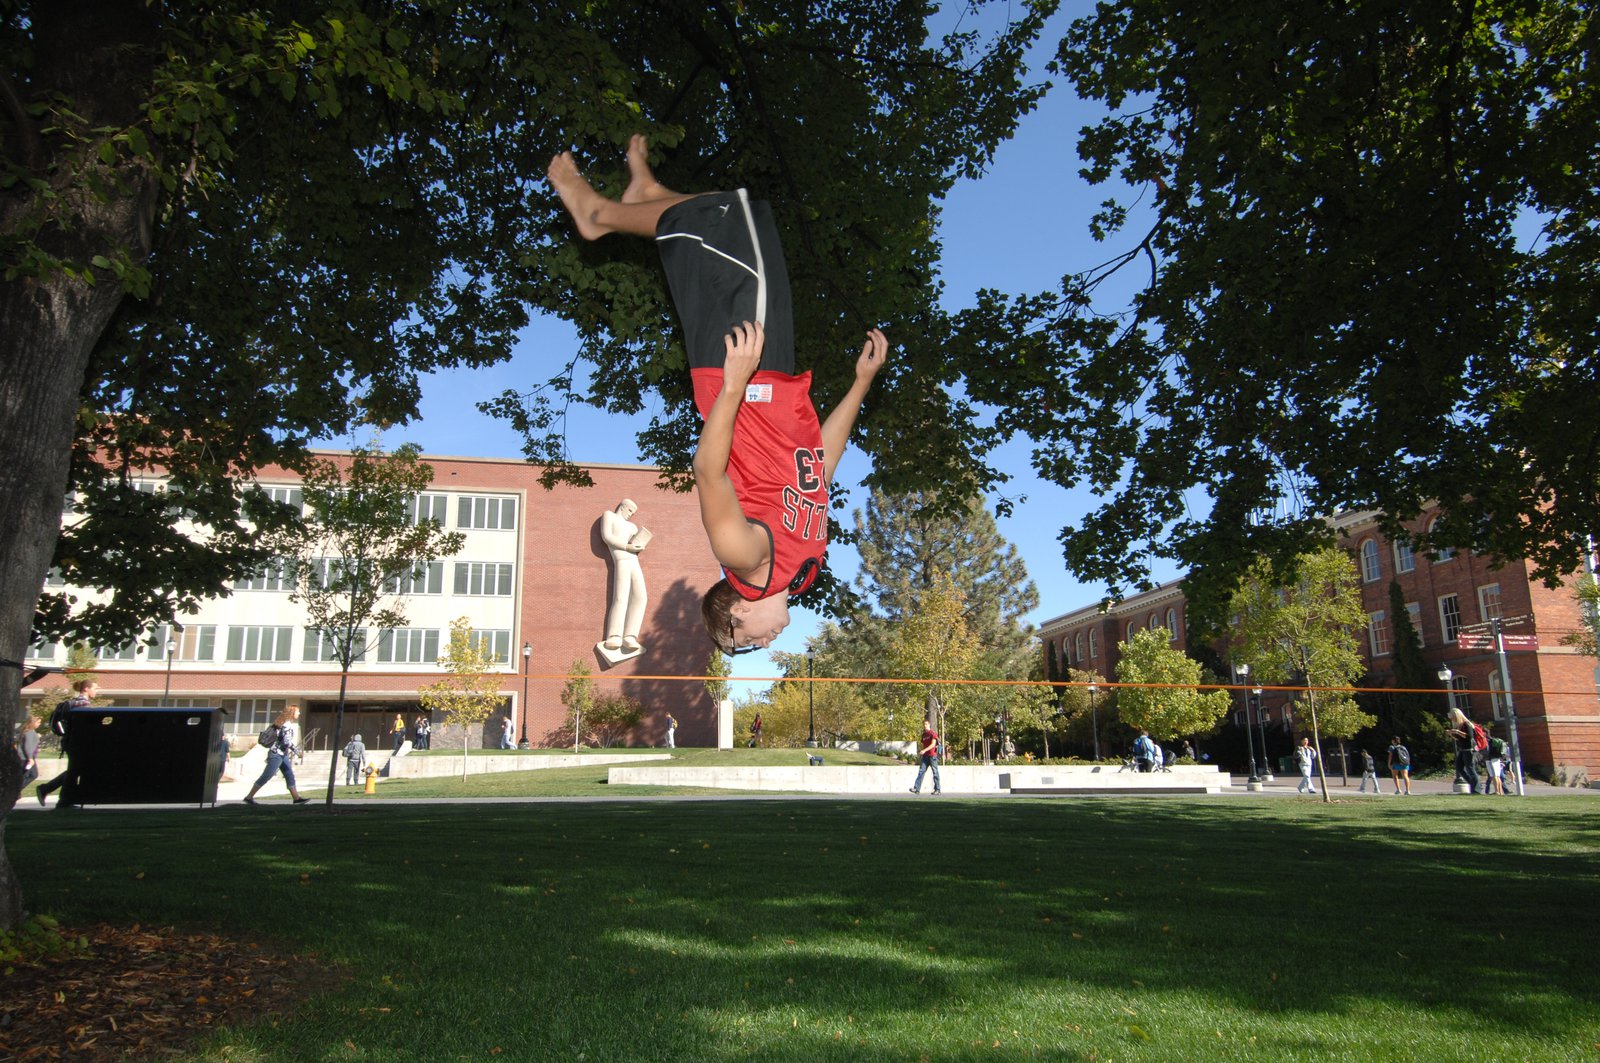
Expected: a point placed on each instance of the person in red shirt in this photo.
(764, 462)
(928, 754)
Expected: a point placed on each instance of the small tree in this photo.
(1303, 621)
(613, 716)
(359, 551)
(1172, 705)
(578, 697)
(933, 642)
(471, 692)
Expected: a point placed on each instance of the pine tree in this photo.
(907, 541)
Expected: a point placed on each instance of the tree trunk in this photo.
(96, 54)
(338, 727)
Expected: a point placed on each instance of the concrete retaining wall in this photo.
(888, 778)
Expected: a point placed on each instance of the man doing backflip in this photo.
(763, 463)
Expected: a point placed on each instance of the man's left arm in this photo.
(842, 421)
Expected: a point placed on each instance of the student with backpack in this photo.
(1369, 770)
(84, 693)
(1470, 741)
(1494, 762)
(355, 758)
(1400, 766)
(281, 737)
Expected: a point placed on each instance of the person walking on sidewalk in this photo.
(1369, 770)
(1306, 758)
(928, 754)
(1400, 767)
(281, 751)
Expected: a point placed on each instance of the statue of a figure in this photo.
(625, 540)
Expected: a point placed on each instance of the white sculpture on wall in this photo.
(626, 540)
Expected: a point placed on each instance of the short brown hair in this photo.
(716, 609)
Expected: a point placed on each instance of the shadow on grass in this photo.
(823, 929)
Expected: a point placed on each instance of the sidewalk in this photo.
(1285, 785)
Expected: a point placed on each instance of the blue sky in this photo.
(1032, 190)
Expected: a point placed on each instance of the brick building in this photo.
(533, 574)
(1452, 597)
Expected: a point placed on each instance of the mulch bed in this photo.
(144, 993)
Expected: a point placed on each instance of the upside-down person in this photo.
(763, 463)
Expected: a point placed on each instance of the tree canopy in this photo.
(1361, 248)
(1171, 705)
(224, 225)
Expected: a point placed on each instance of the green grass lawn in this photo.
(1000, 929)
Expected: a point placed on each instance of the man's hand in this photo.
(874, 353)
(743, 345)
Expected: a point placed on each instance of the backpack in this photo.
(58, 718)
(1497, 747)
(350, 750)
(270, 735)
(1402, 756)
(1480, 740)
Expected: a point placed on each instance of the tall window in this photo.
(428, 506)
(1379, 637)
(486, 511)
(1094, 643)
(1077, 647)
(1450, 616)
(1489, 601)
(1405, 559)
(1441, 553)
(408, 645)
(495, 643)
(1414, 610)
(263, 643)
(483, 578)
(1459, 698)
(1370, 570)
(1497, 695)
(1172, 625)
(1133, 626)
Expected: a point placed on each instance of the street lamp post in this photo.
(1241, 674)
(172, 646)
(1261, 725)
(527, 657)
(1094, 722)
(811, 702)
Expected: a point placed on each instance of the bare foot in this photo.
(577, 195)
(642, 183)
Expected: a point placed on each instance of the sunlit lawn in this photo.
(1149, 929)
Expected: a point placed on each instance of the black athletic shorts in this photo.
(725, 266)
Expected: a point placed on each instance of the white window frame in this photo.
(1441, 554)
(1094, 644)
(425, 578)
(1497, 694)
(473, 577)
(408, 645)
(486, 512)
(1380, 635)
(276, 575)
(499, 642)
(1371, 565)
(429, 505)
(1414, 610)
(1405, 558)
(1490, 604)
(252, 642)
(1172, 625)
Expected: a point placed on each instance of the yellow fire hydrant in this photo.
(372, 779)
